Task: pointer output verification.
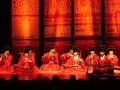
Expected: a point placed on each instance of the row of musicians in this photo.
(71, 61)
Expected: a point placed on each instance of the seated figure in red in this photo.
(92, 59)
(112, 57)
(6, 60)
(64, 57)
(75, 63)
(50, 60)
(26, 62)
(103, 62)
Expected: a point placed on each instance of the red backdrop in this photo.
(112, 23)
(25, 25)
(57, 24)
(87, 16)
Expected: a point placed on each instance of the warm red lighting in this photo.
(112, 17)
(25, 25)
(25, 19)
(87, 17)
(57, 23)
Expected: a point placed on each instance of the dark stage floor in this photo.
(58, 81)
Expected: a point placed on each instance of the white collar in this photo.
(102, 57)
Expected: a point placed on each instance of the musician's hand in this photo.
(79, 66)
(80, 60)
(76, 65)
(29, 60)
(0, 58)
(26, 67)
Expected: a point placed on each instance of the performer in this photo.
(91, 60)
(29, 48)
(75, 63)
(103, 62)
(112, 57)
(26, 63)
(50, 60)
(6, 60)
(64, 57)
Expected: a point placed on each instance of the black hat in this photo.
(52, 46)
(76, 49)
(6, 47)
(26, 50)
(72, 47)
(92, 48)
(102, 48)
(110, 48)
(29, 47)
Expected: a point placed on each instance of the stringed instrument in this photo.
(15, 66)
(105, 66)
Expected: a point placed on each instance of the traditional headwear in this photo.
(72, 47)
(26, 50)
(110, 48)
(76, 49)
(92, 48)
(29, 47)
(6, 47)
(102, 48)
(52, 46)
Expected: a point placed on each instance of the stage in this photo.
(45, 75)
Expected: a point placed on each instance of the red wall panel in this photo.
(87, 18)
(57, 24)
(25, 25)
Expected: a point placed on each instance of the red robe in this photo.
(48, 57)
(64, 57)
(103, 63)
(6, 63)
(50, 62)
(113, 60)
(72, 61)
(91, 61)
(22, 63)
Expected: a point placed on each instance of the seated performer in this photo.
(29, 48)
(75, 63)
(103, 62)
(112, 57)
(6, 60)
(91, 60)
(64, 57)
(50, 60)
(26, 63)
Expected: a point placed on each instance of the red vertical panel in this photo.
(25, 24)
(112, 23)
(87, 23)
(112, 18)
(57, 23)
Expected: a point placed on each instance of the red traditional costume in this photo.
(91, 62)
(5, 63)
(112, 57)
(103, 63)
(75, 64)
(26, 64)
(113, 60)
(64, 57)
(50, 62)
(90, 59)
